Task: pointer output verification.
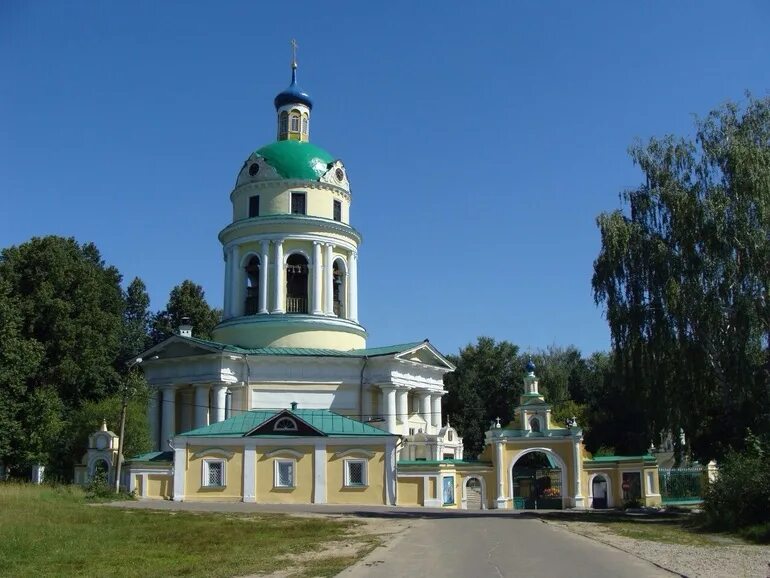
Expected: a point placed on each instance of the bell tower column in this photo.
(317, 278)
(278, 288)
(353, 281)
(264, 258)
(328, 280)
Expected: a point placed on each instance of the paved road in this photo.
(497, 546)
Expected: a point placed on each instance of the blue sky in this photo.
(481, 139)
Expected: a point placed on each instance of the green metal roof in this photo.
(605, 459)
(306, 351)
(442, 462)
(327, 422)
(296, 160)
(153, 457)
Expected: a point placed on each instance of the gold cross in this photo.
(293, 53)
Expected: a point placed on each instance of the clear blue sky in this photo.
(482, 139)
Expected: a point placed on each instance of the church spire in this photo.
(293, 107)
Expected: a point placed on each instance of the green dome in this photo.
(296, 160)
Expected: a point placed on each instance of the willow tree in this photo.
(684, 275)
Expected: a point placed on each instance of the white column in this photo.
(317, 278)
(500, 469)
(328, 280)
(228, 294)
(153, 419)
(250, 474)
(278, 281)
(237, 284)
(264, 263)
(389, 395)
(219, 395)
(436, 413)
(390, 473)
(180, 471)
(352, 307)
(425, 410)
(201, 406)
(186, 410)
(578, 473)
(319, 473)
(168, 429)
(403, 409)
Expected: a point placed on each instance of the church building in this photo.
(288, 404)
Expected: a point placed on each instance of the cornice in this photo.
(288, 184)
(322, 223)
(316, 321)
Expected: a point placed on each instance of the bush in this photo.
(99, 487)
(740, 496)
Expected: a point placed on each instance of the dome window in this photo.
(337, 211)
(294, 122)
(254, 206)
(298, 204)
(534, 425)
(283, 124)
(304, 124)
(253, 169)
(339, 288)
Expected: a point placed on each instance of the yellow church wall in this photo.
(233, 488)
(267, 492)
(372, 494)
(319, 202)
(410, 491)
(280, 335)
(158, 486)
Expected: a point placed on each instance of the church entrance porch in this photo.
(536, 483)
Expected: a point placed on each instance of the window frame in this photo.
(303, 196)
(252, 202)
(295, 120)
(364, 472)
(285, 419)
(276, 473)
(337, 210)
(206, 469)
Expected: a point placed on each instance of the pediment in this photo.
(285, 423)
(176, 347)
(426, 354)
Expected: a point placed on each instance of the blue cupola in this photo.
(530, 366)
(293, 94)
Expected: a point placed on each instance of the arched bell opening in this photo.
(296, 284)
(339, 288)
(252, 286)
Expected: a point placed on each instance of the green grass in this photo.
(54, 531)
(669, 532)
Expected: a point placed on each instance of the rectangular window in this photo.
(448, 490)
(632, 486)
(298, 203)
(294, 123)
(284, 474)
(254, 206)
(337, 211)
(214, 473)
(355, 473)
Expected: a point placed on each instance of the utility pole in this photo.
(122, 433)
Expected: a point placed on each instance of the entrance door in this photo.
(599, 488)
(473, 494)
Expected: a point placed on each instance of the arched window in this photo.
(283, 123)
(296, 284)
(294, 121)
(252, 286)
(304, 124)
(339, 288)
(285, 424)
(534, 425)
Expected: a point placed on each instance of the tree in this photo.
(185, 300)
(70, 303)
(684, 274)
(486, 385)
(135, 334)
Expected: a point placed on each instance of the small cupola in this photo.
(293, 107)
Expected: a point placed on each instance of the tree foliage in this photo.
(486, 385)
(185, 300)
(684, 274)
(135, 332)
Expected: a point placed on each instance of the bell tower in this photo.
(291, 254)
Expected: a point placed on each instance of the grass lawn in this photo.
(54, 531)
(670, 532)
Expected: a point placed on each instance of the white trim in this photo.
(358, 452)
(180, 466)
(249, 474)
(296, 251)
(276, 478)
(364, 472)
(390, 472)
(319, 473)
(285, 452)
(216, 452)
(240, 241)
(206, 469)
(466, 479)
(607, 480)
(244, 260)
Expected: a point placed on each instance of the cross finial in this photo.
(293, 53)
